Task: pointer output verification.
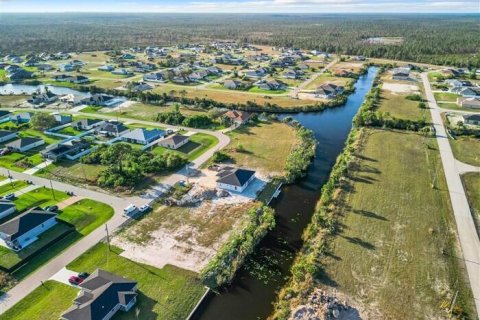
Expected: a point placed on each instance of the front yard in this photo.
(466, 149)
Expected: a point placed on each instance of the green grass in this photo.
(445, 96)
(258, 90)
(46, 302)
(9, 258)
(167, 293)
(39, 197)
(471, 181)
(325, 78)
(455, 106)
(260, 143)
(71, 172)
(199, 144)
(91, 109)
(86, 215)
(466, 150)
(13, 160)
(15, 185)
(388, 253)
(69, 131)
(400, 107)
(38, 134)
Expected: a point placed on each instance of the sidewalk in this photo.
(42, 165)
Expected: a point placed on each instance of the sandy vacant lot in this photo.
(400, 88)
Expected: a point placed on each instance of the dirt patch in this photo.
(400, 88)
(187, 237)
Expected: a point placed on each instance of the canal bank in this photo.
(255, 287)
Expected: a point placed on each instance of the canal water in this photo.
(255, 287)
(18, 89)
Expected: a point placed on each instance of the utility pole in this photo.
(51, 188)
(10, 178)
(108, 237)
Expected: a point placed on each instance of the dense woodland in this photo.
(432, 38)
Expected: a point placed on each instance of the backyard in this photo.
(388, 253)
(398, 106)
(256, 146)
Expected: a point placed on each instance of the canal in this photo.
(255, 287)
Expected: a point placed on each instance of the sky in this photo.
(243, 6)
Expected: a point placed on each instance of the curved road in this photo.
(30, 283)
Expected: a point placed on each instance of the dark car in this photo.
(10, 196)
(51, 208)
(83, 275)
(75, 280)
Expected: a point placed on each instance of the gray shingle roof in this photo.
(143, 134)
(236, 178)
(25, 222)
(102, 291)
(23, 142)
(176, 139)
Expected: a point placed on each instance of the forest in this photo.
(433, 38)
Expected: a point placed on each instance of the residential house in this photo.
(24, 229)
(401, 73)
(451, 73)
(62, 118)
(258, 73)
(342, 73)
(128, 56)
(236, 180)
(328, 91)
(455, 83)
(45, 97)
(274, 85)
(471, 119)
(78, 79)
(111, 128)
(7, 135)
(107, 68)
(7, 207)
(141, 86)
(25, 144)
(87, 124)
(143, 136)
(236, 84)
(67, 150)
(62, 77)
(293, 74)
(44, 67)
(155, 77)
(238, 117)
(23, 117)
(19, 75)
(122, 72)
(102, 295)
(467, 91)
(4, 114)
(472, 103)
(359, 58)
(174, 142)
(100, 99)
(71, 99)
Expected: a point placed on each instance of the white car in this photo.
(130, 209)
(144, 208)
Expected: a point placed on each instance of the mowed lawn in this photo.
(46, 302)
(401, 108)
(387, 256)
(324, 79)
(86, 215)
(471, 182)
(167, 293)
(446, 96)
(71, 172)
(466, 150)
(257, 146)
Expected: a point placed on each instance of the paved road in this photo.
(467, 232)
(118, 203)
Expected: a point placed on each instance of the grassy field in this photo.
(72, 171)
(13, 100)
(388, 256)
(471, 182)
(455, 106)
(46, 302)
(400, 107)
(466, 150)
(235, 96)
(15, 185)
(323, 79)
(445, 96)
(257, 146)
(14, 160)
(39, 197)
(86, 215)
(167, 293)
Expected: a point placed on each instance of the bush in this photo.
(414, 97)
(219, 157)
(300, 158)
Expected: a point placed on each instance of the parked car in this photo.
(51, 208)
(130, 209)
(83, 275)
(10, 196)
(144, 208)
(4, 152)
(75, 280)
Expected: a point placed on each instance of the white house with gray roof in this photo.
(143, 136)
(25, 144)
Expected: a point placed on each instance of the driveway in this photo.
(467, 232)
